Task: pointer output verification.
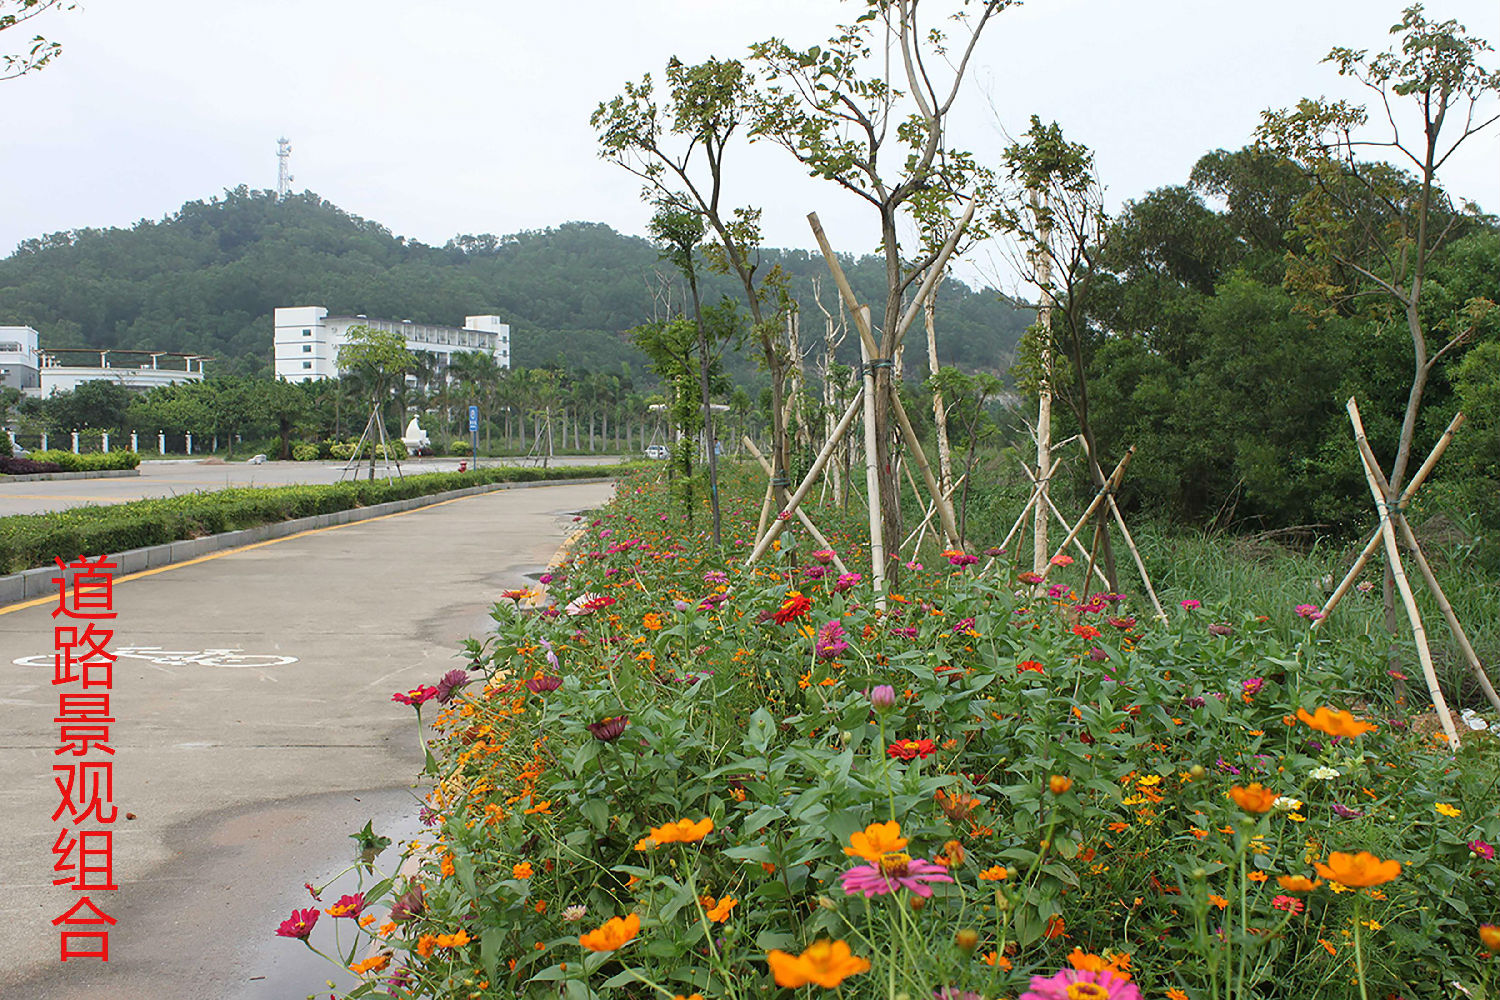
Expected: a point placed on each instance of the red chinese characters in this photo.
(83, 673)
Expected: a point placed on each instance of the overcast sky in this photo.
(470, 116)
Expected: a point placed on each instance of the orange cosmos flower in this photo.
(1333, 722)
(614, 934)
(374, 963)
(651, 620)
(719, 912)
(1358, 871)
(997, 959)
(1298, 883)
(684, 831)
(522, 870)
(826, 963)
(1084, 962)
(994, 873)
(876, 841)
(1255, 799)
(1059, 783)
(1056, 928)
(1489, 936)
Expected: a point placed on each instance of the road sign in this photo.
(473, 419)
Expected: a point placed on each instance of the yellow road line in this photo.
(54, 496)
(245, 548)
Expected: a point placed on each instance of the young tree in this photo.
(380, 359)
(680, 234)
(678, 148)
(1373, 229)
(848, 125)
(1061, 230)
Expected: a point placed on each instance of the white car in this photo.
(657, 451)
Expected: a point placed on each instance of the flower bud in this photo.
(883, 697)
(1198, 772)
(966, 939)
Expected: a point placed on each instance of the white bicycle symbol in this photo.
(232, 658)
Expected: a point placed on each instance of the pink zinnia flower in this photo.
(1309, 611)
(1190, 603)
(1075, 984)
(348, 906)
(830, 641)
(299, 925)
(894, 871)
(1291, 904)
(846, 581)
(823, 555)
(1482, 849)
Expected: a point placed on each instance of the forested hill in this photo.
(206, 279)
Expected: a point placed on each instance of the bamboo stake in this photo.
(1110, 485)
(1140, 564)
(1374, 541)
(812, 529)
(1393, 553)
(791, 505)
(931, 510)
(945, 510)
(872, 472)
(1031, 502)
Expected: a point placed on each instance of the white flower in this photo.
(1286, 804)
(1473, 721)
(1325, 773)
(580, 604)
(573, 914)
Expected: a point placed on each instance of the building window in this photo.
(307, 364)
(307, 333)
(306, 348)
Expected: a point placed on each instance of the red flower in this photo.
(908, 749)
(1086, 631)
(416, 696)
(1026, 665)
(794, 606)
(299, 925)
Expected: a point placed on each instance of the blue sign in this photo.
(473, 419)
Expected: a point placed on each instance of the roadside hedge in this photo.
(96, 462)
(30, 540)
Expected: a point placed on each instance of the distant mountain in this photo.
(205, 280)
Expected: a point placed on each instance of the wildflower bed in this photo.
(690, 780)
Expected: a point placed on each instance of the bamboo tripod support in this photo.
(1374, 478)
(812, 529)
(1135, 553)
(1110, 485)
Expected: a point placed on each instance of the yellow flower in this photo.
(826, 963)
(1452, 812)
(876, 841)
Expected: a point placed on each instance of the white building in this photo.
(66, 369)
(20, 357)
(307, 340)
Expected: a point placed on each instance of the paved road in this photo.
(161, 479)
(245, 781)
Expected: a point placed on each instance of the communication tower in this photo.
(283, 172)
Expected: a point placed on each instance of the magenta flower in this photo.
(1252, 686)
(1058, 590)
(1482, 849)
(846, 581)
(417, 696)
(449, 685)
(993, 551)
(823, 555)
(715, 576)
(608, 730)
(1075, 984)
(543, 684)
(299, 925)
(894, 871)
(1190, 603)
(883, 698)
(1309, 611)
(962, 559)
(410, 904)
(830, 642)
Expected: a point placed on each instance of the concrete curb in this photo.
(34, 477)
(34, 583)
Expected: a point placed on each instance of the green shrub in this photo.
(460, 447)
(95, 462)
(304, 451)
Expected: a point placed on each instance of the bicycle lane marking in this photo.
(38, 602)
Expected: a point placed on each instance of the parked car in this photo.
(659, 452)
